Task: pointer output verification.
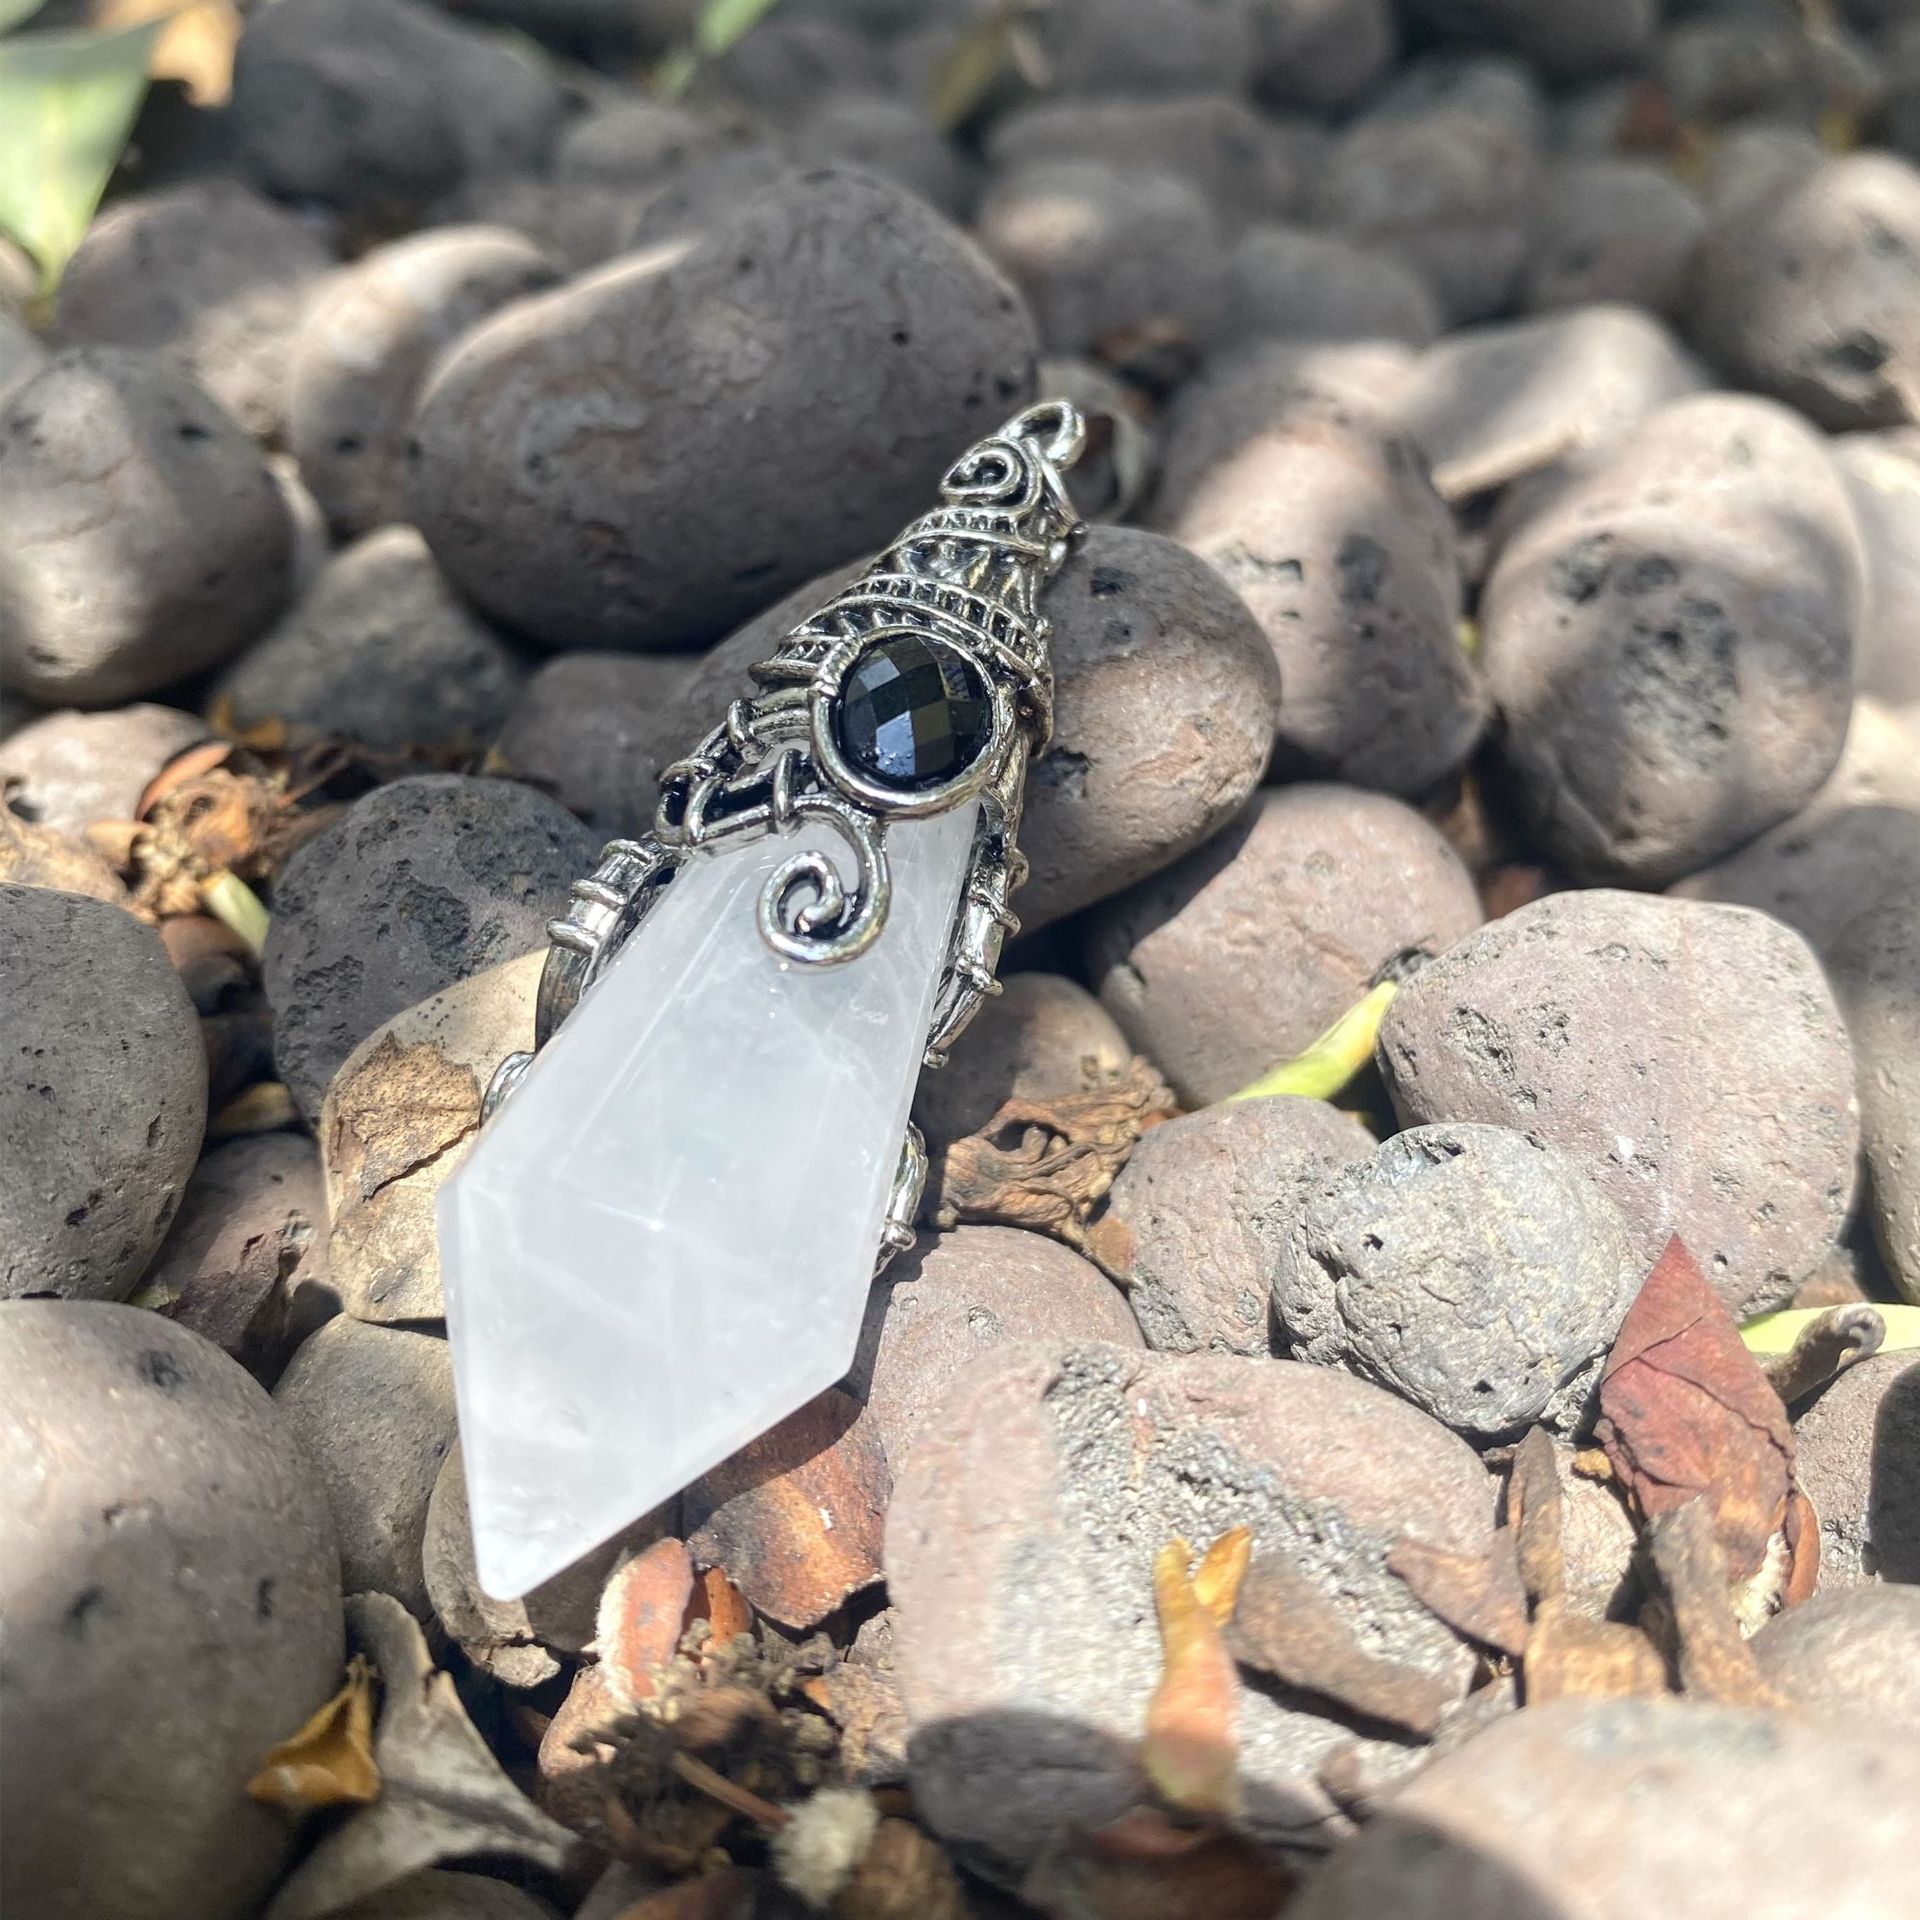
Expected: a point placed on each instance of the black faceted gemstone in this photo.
(914, 713)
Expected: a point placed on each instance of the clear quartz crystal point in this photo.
(661, 1244)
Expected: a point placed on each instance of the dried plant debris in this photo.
(1711, 1658)
(1147, 1866)
(1190, 1751)
(329, 1762)
(1481, 1598)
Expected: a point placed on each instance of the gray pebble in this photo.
(562, 533)
(1564, 42)
(1813, 295)
(66, 770)
(1321, 53)
(104, 1098)
(1324, 519)
(1197, 1221)
(1687, 1058)
(1294, 283)
(1471, 1270)
(381, 650)
(207, 275)
(1165, 700)
(21, 351)
(1758, 160)
(1675, 675)
(1149, 46)
(172, 1597)
(141, 535)
(420, 884)
(1853, 1651)
(367, 345)
(1857, 1458)
(788, 62)
(373, 1407)
(1882, 475)
(1244, 953)
(1722, 67)
(891, 137)
(1612, 229)
(594, 730)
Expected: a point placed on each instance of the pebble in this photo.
(373, 1407)
(141, 534)
(1688, 1058)
(893, 138)
(1471, 1270)
(578, 544)
(785, 63)
(1622, 230)
(1857, 1458)
(1324, 519)
(1322, 53)
(1875, 968)
(22, 352)
(1197, 1221)
(1149, 47)
(1813, 294)
(1882, 476)
(66, 770)
(418, 885)
(1294, 283)
(594, 730)
(1613, 1809)
(208, 276)
(103, 1100)
(1758, 160)
(1674, 675)
(959, 1296)
(366, 346)
(1852, 1651)
(172, 1599)
(382, 650)
(1019, 1548)
(1561, 42)
(1165, 699)
(1241, 955)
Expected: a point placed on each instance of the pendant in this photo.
(661, 1242)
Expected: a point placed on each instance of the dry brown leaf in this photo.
(1712, 1660)
(1144, 1867)
(1686, 1411)
(1285, 1626)
(329, 1762)
(1191, 1750)
(643, 1612)
(1534, 1517)
(1840, 1338)
(1478, 1595)
(722, 1605)
(35, 856)
(1569, 1655)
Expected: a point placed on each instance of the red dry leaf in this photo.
(643, 1611)
(1686, 1410)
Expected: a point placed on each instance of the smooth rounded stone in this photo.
(959, 1296)
(1563, 42)
(1813, 294)
(1322, 516)
(1613, 1809)
(1732, 65)
(1106, 255)
(1688, 1058)
(418, 885)
(172, 1598)
(1471, 1270)
(436, 1894)
(1040, 1037)
(104, 1096)
(1321, 53)
(1857, 1458)
(531, 497)
(381, 650)
(631, 144)
(1245, 952)
(141, 536)
(891, 137)
(789, 61)
(1854, 1651)
(1875, 967)
(66, 770)
(1020, 1545)
(594, 730)
(1669, 639)
(1440, 169)
(1502, 399)
(210, 277)
(22, 352)
(1197, 1221)
(376, 106)
(1896, 121)
(1148, 46)
(1882, 475)
(367, 344)
(1245, 165)
(1758, 160)
(1622, 230)
(1855, 844)
(1290, 282)
(1165, 699)
(392, 1127)
(373, 1407)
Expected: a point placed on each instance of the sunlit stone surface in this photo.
(662, 1243)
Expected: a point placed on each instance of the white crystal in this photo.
(661, 1244)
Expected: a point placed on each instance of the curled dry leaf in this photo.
(1710, 1656)
(1478, 1595)
(1043, 1164)
(1144, 1867)
(642, 1614)
(1686, 1411)
(1805, 1347)
(329, 1762)
(1535, 1518)
(1191, 1750)
(443, 1795)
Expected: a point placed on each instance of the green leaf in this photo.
(724, 23)
(67, 104)
(1333, 1059)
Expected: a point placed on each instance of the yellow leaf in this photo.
(1216, 1581)
(1775, 1333)
(1334, 1058)
(329, 1762)
(1190, 1750)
